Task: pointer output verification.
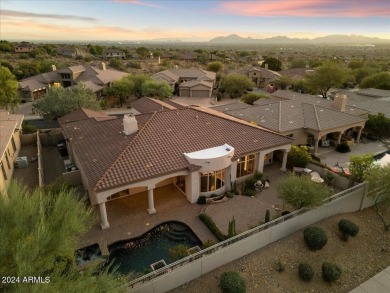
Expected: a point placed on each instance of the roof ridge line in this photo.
(121, 154)
(318, 120)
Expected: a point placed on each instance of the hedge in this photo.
(208, 221)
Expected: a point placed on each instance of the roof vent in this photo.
(130, 124)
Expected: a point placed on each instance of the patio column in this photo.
(151, 208)
(339, 137)
(284, 162)
(260, 162)
(316, 146)
(103, 216)
(359, 134)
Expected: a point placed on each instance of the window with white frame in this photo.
(246, 165)
(212, 180)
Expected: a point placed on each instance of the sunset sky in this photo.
(190, 20)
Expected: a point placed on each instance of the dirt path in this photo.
(360, 258)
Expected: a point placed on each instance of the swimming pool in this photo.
(139, 253)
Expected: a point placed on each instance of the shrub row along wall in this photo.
(40, 164)
(349, 201)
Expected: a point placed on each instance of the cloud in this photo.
(13, 13)
(307, 8)
(137, 2)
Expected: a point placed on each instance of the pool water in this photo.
(379, 156)
(138, 254)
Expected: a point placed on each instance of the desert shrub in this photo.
(178, 252)
(343, 148)
(305, 272)
(329, 177)
(134, 64)
(348, 228)
(315, 237)
(249, 192)
(208, 221)
(208, 243)
(27, 128)
(201, 199)
(330, 272)
(232, 282)
(298, 157)
(257, 175)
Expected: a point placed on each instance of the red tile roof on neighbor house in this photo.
(109, 158)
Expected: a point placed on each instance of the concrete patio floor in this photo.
(250, 212)
(330, 157)
(129, 218)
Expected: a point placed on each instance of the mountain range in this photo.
(331, 39)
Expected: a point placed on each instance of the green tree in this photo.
(6, 46)
(355, 64)
(301, 191)
(39, 233)
(138, 80)
(358, 165)
(362, 72)
(378, 124)
(273, 64)
(116, 63)
(61, 101)
(8, 88)
(235, 85)
(27, 68)
(250, 98)
(283, 82)
(298, 156)
(153, 88)
(7, 64)
(377, 80)
(143, 52)
(215, 66)
(121, 89)
(327, 76)
(379, 189)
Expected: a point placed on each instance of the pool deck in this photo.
(129, 218)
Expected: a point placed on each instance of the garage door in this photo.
(201, 93)
(184, 92)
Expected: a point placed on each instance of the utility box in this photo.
(21, 162)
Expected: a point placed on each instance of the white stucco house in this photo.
(199, 151)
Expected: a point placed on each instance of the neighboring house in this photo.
(188, 56)
(10, 129)
(307, 123)
(190, 82)
(374, 100)
(196, 150)
(24, 47)
(96, 79)
(262, 77)
(289, 95)
(114, 53)
(70, 52)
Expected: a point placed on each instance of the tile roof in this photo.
(371, 104)
(374, 93)
(290, 115)
(231, 106)
(174, 74)
(306, 98)
(83, 114)
(195, 82)
(88, 73)
(109, 158)
(147, 105)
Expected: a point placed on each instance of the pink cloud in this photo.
(308, 8)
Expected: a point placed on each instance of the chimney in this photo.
(266, 66)
(53, 67)
(130, 124)
(339, 102)
(103, 66)
(159, 60)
